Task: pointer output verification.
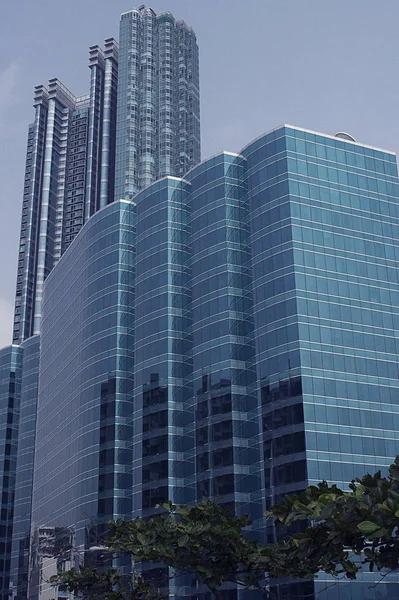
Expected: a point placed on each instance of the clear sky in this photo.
(327, 65)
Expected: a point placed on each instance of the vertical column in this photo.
(187, 136)
(45, 257)
(276, 319)
(96, 64)
(109, 123)
(147, 158)
(60, 104)
(227, 450)
(162, 467)
(10, 381)
(24, 469)
(127, 128)
(25, 291)
(167, 90)
(63, 175)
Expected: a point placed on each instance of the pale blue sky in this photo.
(327, 65)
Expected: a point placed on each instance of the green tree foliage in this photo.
(202, 539)
(92, 584)
(344, 531)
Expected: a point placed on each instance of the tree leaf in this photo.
(367, 527)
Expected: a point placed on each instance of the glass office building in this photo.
(83, 450)
(224, 373)
(69, 174)
(290, 334)
(229, 334)
(30, 350)
(158, 121)
(324, 262)
(10, 382)
(324, 225)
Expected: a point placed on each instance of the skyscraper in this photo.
(69, 174)
(83, 445)
(230, 334)
(158, 122)
(128, 131)
(324, 242)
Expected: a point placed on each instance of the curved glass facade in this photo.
(324, 223)
(231, 335)
(83, 455)
(163, 350)
(10, 383)
(224, 375)
(30, 350)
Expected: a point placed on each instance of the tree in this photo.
(92, 584)
(204, 540)
(346, 530)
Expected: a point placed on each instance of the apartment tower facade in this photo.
(158, 122)
(69, 163)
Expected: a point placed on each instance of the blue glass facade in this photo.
(231, 334)
(10, 382)
(293, 282)
(83, 451)
(324, 233)
(30, 351)
(195, 375)
(224, 374)
(324, 218)
(162, 467)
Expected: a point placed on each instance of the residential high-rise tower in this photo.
(129, 130)
(158, 122)
(69, 174)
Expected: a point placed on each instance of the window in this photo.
(222, 457)
(154, 496)
(221, 404)
(223, 485)
(202, 462)
(222, 431)
(155, 420)
(155, 471)
(156, 445)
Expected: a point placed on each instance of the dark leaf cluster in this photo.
(346, 529)
(92, 584)
(343, 532)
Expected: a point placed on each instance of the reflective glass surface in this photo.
(83, 453)
(30, 351)
(324, 225)
(231, 335)
(10, 383)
